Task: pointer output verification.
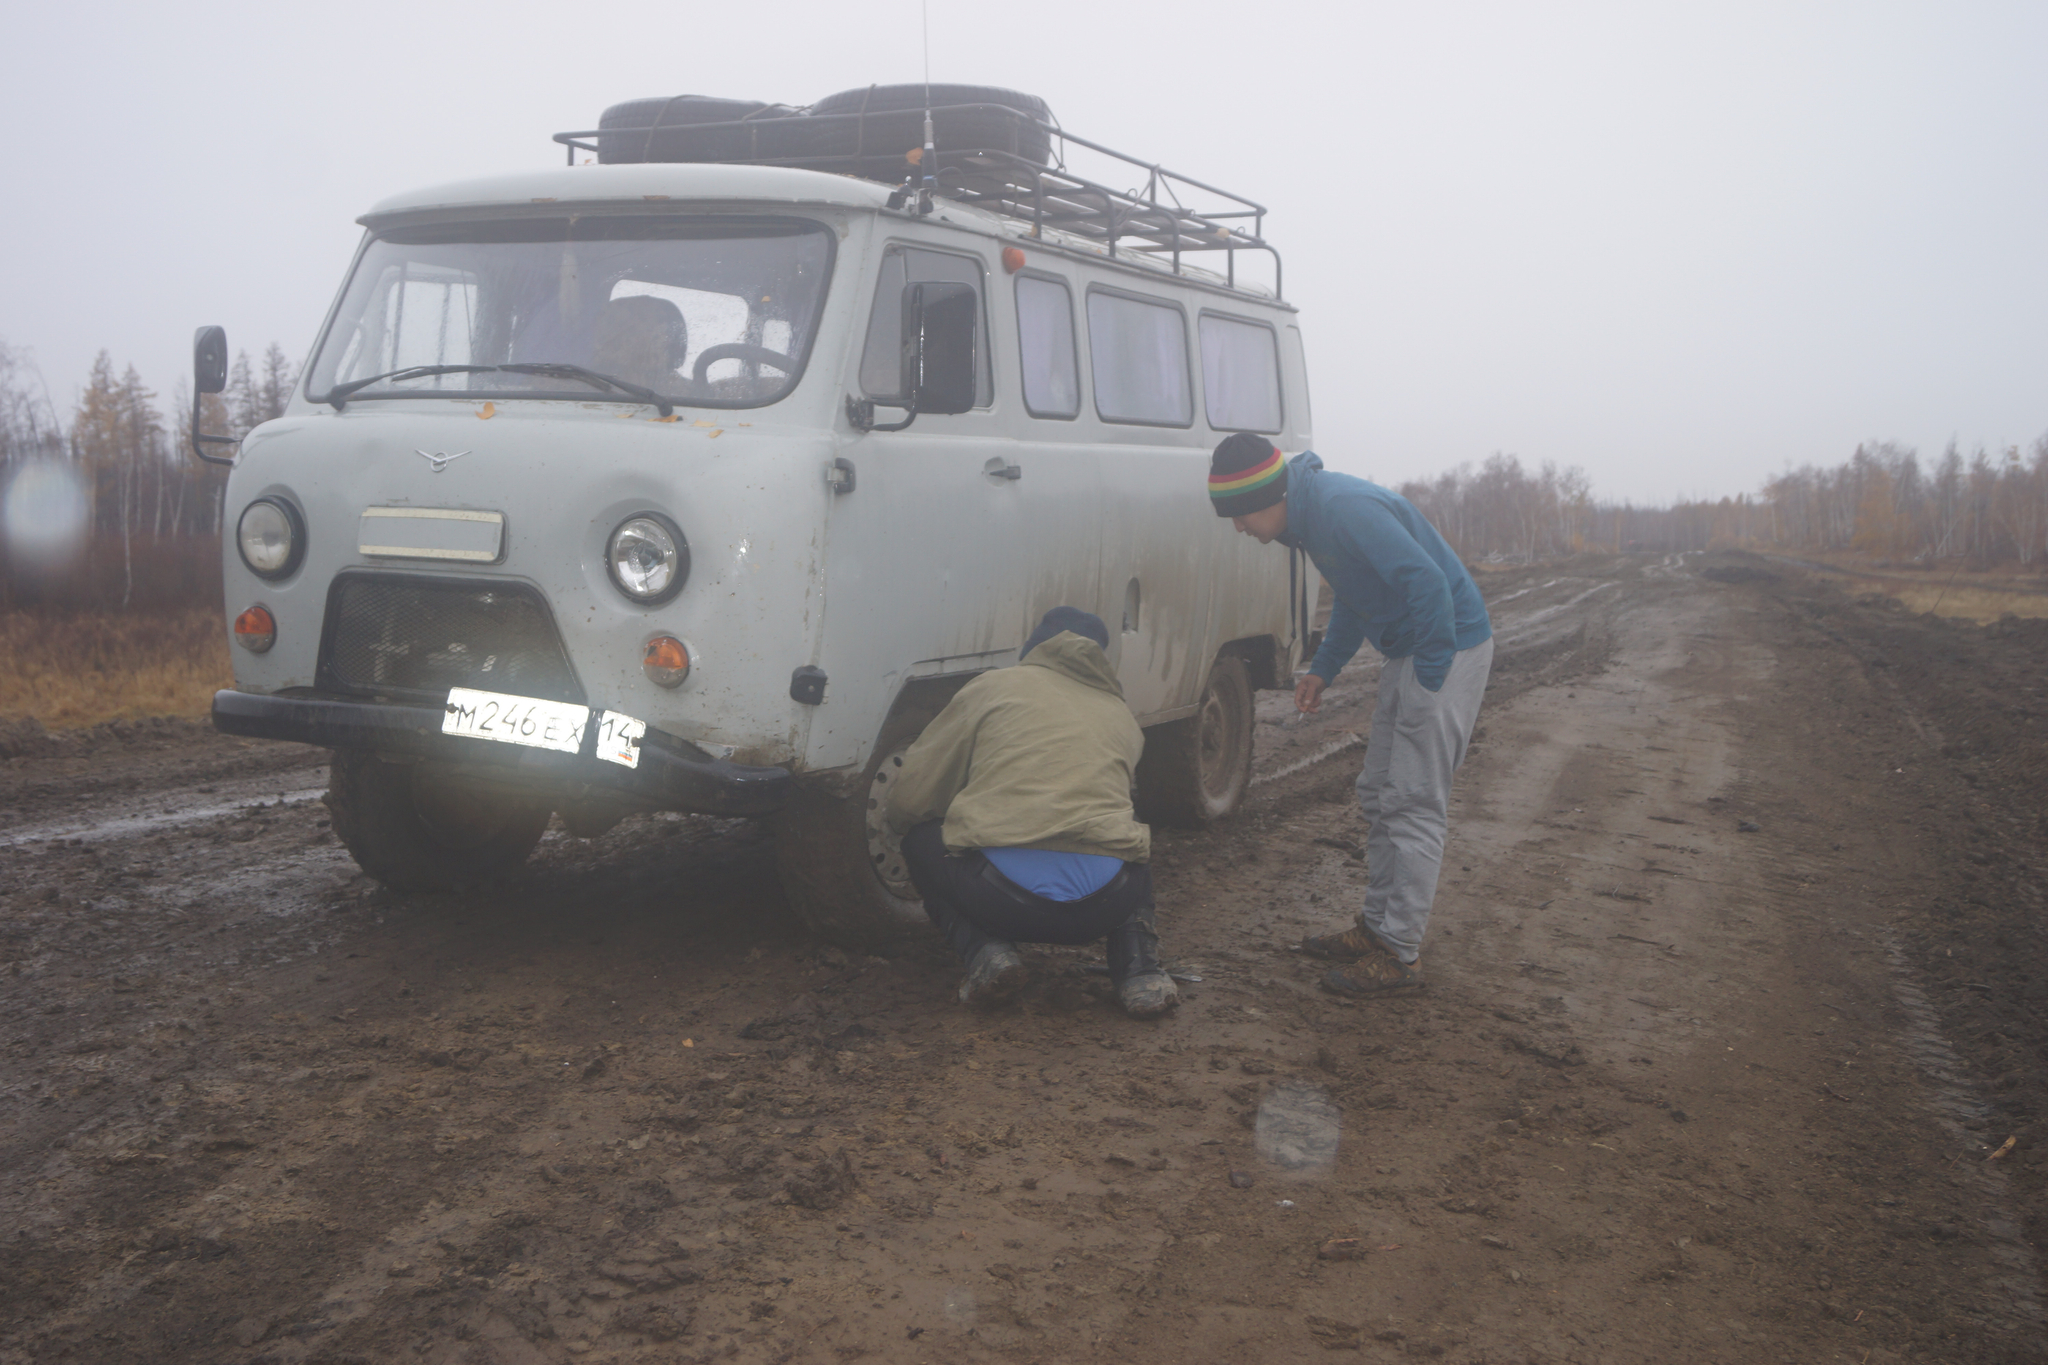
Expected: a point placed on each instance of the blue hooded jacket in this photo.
(1397, 583)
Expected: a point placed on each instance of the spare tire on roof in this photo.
(668, 130)
(882, 99)
(865, 132)
(876, 124)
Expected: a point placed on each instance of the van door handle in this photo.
(998, 468)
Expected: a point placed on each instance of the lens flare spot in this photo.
(45, 514)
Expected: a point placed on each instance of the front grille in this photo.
(411, 639)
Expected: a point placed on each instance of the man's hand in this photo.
(1308, 693)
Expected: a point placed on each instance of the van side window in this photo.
(1308, 416)
(881, 358)
(1138, 354)
(1240, 374)
(1045, 345)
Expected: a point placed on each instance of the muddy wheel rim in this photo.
(1218, 741)
(885, 850)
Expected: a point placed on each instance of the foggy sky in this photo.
(1678, 245)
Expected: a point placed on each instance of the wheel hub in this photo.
(885, 849)
(1214, 739)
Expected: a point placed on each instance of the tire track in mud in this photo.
(622, 1109)
(136, 822)
(256, 897)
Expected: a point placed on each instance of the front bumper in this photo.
(673, 774)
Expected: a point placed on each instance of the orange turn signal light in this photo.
(1013, 259)
(665, 661)
(256, 630)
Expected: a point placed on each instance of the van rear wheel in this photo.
(841, 868)
(1195, 770)
(415, 828)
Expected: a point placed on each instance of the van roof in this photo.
(646, 181)
(640, 183)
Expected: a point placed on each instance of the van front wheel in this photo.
(1195, 770)
(840, 865)
(414, 829)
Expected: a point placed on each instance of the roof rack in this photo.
(1155, 219)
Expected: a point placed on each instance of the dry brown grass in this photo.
(1968, 596)
(81, 668)
(1968, 601)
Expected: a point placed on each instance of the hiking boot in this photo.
(1349, 946)
(1379, 972)
(994, 973)
(1142, 985)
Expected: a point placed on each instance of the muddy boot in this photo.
(994, 973)
(1347, 945)
(1378, 973)
(1141, 983)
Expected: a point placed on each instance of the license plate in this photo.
(537, 724)
(618, 738)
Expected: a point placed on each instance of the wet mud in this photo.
(1735, 989)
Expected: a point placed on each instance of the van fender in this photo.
(917, 697)
(1265, 659)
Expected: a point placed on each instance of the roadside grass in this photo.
(1968, 601)
(68, 669)
(1982, 597)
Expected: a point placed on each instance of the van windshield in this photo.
(705, 312)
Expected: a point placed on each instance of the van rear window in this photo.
(1240, 374)
(1138, 354)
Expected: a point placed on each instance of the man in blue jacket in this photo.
(1400, 586)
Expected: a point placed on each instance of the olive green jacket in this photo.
(1036, 756)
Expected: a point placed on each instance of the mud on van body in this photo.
(628, 528)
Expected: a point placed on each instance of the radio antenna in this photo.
(929, 164)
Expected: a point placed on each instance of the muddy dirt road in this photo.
(1736, 981)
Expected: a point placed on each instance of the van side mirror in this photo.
(209, 375)
(210, 360)
(940, 358)
(939, 331)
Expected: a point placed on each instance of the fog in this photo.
(1680, 246)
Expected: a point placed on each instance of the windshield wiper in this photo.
(553, 370)
(341, 393)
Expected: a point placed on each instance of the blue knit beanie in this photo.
(1083, 623)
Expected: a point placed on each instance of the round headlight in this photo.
(648, 558)
(272, 538)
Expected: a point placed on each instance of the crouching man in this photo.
(1015, 811)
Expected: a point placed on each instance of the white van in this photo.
(702, 487)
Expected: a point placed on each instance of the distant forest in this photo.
(1979, 512)
(155, 511)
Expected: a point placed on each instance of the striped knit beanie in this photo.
(1246, 473)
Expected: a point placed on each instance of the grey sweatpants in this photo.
(1418, 741)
